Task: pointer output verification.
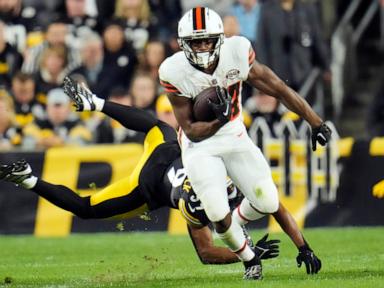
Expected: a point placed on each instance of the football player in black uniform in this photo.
(158, 180)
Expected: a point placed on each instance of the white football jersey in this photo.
(178, 76)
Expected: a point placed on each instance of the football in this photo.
(201, 109)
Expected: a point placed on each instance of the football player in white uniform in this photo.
(211, 150)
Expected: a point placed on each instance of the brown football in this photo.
(202, 111)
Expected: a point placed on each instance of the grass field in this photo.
(351, 258)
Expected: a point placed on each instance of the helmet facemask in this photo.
(201, 59)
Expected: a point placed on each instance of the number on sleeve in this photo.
(234, 92)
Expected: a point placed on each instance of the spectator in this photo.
(154, 55)
(143, 91)
(135, 18)
(52, 71)
(247, 13)
(266, 107)
(101, 76)
(231, 26)
(165, 14)
(55, 36)
(119, 53)
(111, 131)
(10, 59)
(222, 7)
(19, 21)
(26, 107)
(59, 128)
(375, 121)
(10, 134)
(164, 111)
(78, 19)
(105, 9)
(45, 11)
(290, 40)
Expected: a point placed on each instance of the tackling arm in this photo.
(206, 250)
(211, 254)
(195, 131)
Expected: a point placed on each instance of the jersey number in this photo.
(234, 92)
(196, 202)
(176, 177)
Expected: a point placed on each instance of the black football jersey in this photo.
(184, 198)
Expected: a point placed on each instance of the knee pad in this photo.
(216, 215)
(215, 210)
(266, 198)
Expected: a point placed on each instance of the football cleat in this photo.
(19, 172)
(253, 269)
(82, 97)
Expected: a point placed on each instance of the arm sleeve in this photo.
(130, 117)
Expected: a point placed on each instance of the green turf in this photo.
(351, 258)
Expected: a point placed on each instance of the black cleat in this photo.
(82, 97)
(253, 269)
(18, 172)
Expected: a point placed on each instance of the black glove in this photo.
(321, 134)
(266, 249)
(306, 255)
(223, 109)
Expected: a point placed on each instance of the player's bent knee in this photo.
(216, 214)
(270, 206)
(85, 210)
(266, 198)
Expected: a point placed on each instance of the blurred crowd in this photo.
(115, 47)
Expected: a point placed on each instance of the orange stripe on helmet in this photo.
(199, 18)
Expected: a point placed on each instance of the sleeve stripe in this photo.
(170, 90)
(167, 84)
(168, 87)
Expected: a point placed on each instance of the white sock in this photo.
(99, 103)
(245, 213)
(235, 240)
(29, 183)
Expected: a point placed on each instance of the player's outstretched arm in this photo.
(130, 117)
(264, 79)
(306, 255)
(210, 254)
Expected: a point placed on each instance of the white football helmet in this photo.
(200, 23)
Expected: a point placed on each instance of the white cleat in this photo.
(19, 173)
